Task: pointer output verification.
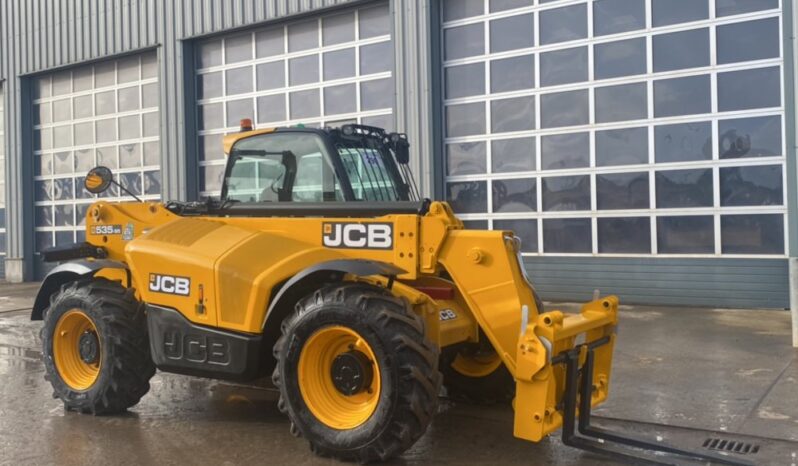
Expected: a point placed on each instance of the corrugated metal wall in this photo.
(732, 283)
(45, 34)
(42, 35)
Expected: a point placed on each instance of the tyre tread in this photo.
(131, 367)
(417, 358)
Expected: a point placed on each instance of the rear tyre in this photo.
(357, 377)
(95, 346)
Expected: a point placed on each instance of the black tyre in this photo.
(476, 374)
(357, 377)
(96, 351)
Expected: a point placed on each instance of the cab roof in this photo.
(232, 138)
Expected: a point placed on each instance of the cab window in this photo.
(368, 174)
(287, 167)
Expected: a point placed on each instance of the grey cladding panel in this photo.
(49, 34)
(734, 283)
(41, 35)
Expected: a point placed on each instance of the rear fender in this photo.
(322, 272)
(304, 282)
(69, 272)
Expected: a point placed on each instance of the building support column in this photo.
(790, 19)
(20, 234)
(413, 71)
(178, 177)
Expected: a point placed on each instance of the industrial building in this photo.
(643, 147)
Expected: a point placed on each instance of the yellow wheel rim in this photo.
(319, 391)
(477, 365)
(77, 373)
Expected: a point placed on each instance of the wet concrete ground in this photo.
(708, 369)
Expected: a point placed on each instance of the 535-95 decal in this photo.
(113, 230)
(106, 230)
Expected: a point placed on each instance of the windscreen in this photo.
(288, 167)
(297, 167)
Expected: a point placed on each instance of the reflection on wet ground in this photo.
(704, 368)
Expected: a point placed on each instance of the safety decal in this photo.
(447, 314)
(128, 234)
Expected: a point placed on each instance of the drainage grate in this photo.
(731, 446)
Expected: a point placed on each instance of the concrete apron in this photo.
(721, 370)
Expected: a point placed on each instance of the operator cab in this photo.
(353, 163)
(354, 170)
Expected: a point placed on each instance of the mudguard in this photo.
(359, 267)
(65, 273)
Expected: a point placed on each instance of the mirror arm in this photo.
(126, 190)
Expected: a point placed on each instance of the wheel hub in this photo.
(339, 377)
(351, 372)
(77, 350)
(88, 347)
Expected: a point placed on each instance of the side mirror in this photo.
(98, 180)
(400, 147)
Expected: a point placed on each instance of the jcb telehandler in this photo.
(320, 266)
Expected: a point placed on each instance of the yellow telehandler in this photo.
(321, 266)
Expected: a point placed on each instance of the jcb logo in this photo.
(358, 235)
(170, 284)
(196, 348)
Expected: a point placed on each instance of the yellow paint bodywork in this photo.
(236, 263)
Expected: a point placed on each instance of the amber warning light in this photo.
(246, 124)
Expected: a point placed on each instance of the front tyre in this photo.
(476, 374)
(357, 377)
(95, 346)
